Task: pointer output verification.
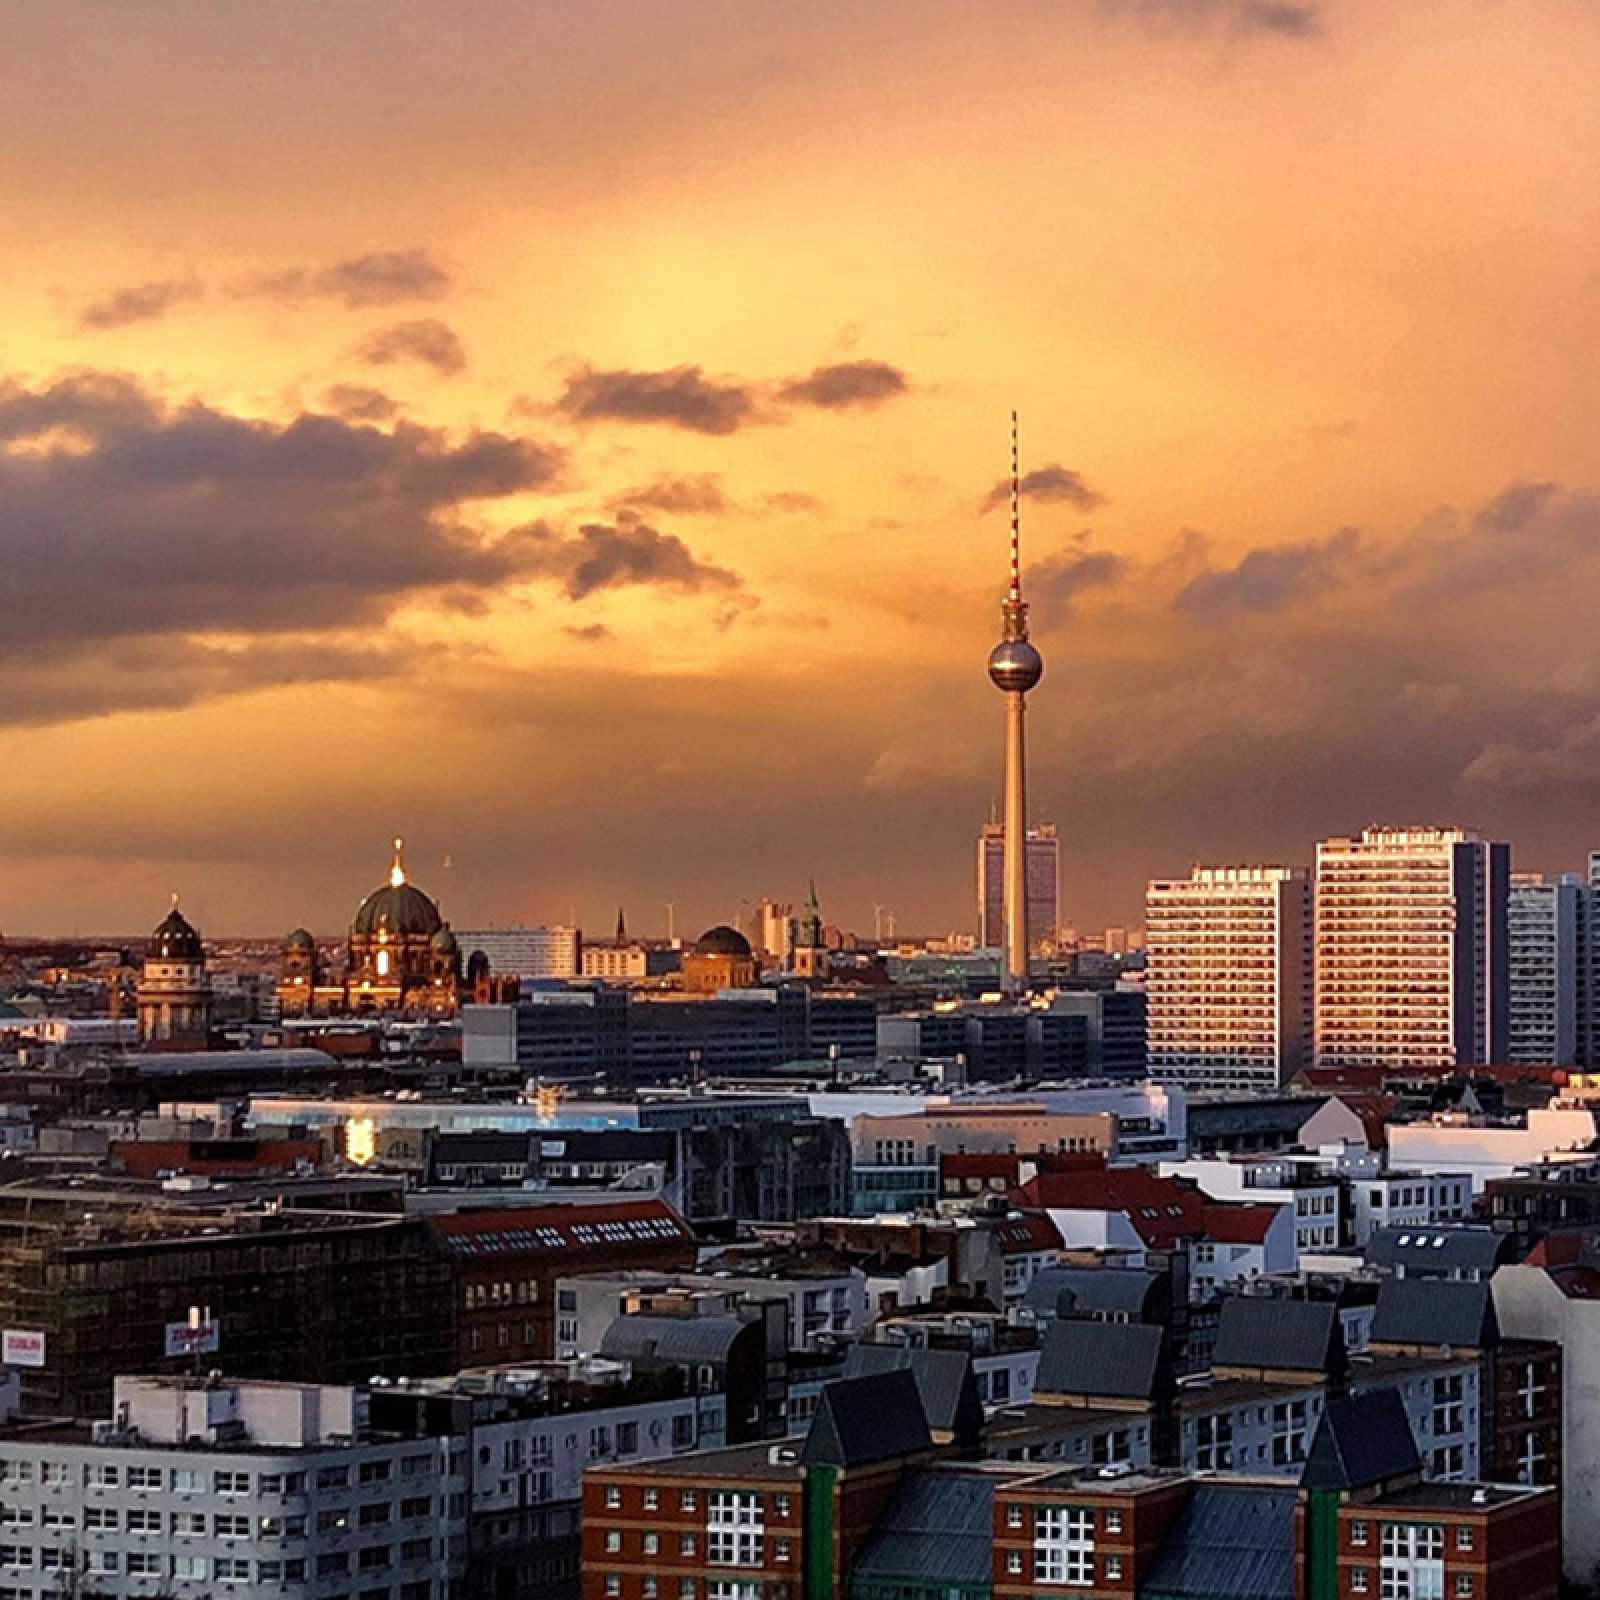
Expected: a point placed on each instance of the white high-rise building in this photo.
(1042, 871)
(1544, 917)
(1412, 962)
(553, 951)
(1228, 975)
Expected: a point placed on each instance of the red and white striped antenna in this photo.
(1014, 593)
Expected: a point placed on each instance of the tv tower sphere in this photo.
(1015, 666)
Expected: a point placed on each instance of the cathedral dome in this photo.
(399, 906)
(300, 939)
(175, 939)
(722, 941)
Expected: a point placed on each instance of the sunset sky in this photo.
(563, 433)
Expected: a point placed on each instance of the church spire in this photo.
(622, 927)
(397, 871)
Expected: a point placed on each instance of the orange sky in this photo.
(558, 433)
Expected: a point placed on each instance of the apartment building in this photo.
(1228, 976)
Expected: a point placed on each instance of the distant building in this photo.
(721, 958)
(547, 951)
(1043, 895)
(1411, 965)
(1544, 920)
(628, 963)
(1228, 976)
(1117, 1021)
(174, 990)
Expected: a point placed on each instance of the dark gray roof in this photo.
(862, 1420)
(1361, 1441)
(938, 1529)
(1283, 1335)
(1117, 1361)
(1230, 1539)
(1439, 1248)
(672, 1339)
(1092, 1291)
(1216, 1118)
(1420, 1311)
(945, 1381)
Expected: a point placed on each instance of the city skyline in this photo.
(470, 439)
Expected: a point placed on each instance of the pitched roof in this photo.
(1425, 1311)
(1255, 1331)
(1027, 1233)
(1230, 1539)
(945, 1380)
(1240, 1224)
(1161, 1210)
(1361, 1441)
(862, 1420)
(1093, 1291)
(938, 1529)
(541, 1230)
(1114, 1360)
(1439, 1247)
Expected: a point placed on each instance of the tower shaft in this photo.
(1016, 844)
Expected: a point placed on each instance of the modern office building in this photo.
(1411, 949)
(552, 951)
(1543, 919)
(1118, 1023)
(1043, 892)
(1228, 976)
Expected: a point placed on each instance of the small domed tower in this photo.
(445, 976)
(720, 959)
(299, 973)
(174, 989)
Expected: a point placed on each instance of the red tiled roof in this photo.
(1556, 1250)
(1239, 1224)
(212, 1158)
(1576, 1283)
(1161, 1210)
(980, 1164)
(537, 1230)
(1030, 1232)
(1374, 1111)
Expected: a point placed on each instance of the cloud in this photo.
(140, 302)
(846, 384)
(380, 278)
(1271, 577)
(427, 340)
(121, 516)
(1053, 483)
(788, 502)
(1054, 583)
(700, 494)
(1289, 19)
(355, 403)
(593, 633)
(1514, 507)
(1277, 16)
(679, 397)
(617, 555)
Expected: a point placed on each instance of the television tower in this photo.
(1015, 666)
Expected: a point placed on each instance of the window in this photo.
(144, 1477)
(14, 1471)
(373, 1557)
(1288, 1432)
(1531, 1391)
(1360, 1577)
(1358, 1532)
(1531, 1459)
(374, 1472)
(16, 1555)
(1013, 1516)
(652, 1544)
(1463, 1536)
(1113, 1568)
(143, 1564)
(652, 1499)
(190, 1569)
(411, 1510)
(56, 1473)
(1463, 1583)
(335, 1562)
(190, 1524)
(1448, 1463)
(230, 1482)
(100, 1477)
(231, 1569)
(1063, 1545)
(686, 1589)
(1411, 1561)
(613, 1542)
(1447, 1398)
(1113, 1521)
(416, 1550)
(334, 1520)
(780, 1505)
(374, 1515)
(613, 1583)
(333, 1477)
(686, 1500)
(144, 1522)
(648, 1587)
(1013, 1562)
(734, 1528)
(780, 1549)
(627, 1438)
(1214, 1442)
(613, 1497)
(225, 1527)
(686, 1544)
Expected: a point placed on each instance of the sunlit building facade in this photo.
(1412, 949)
(1544, 919)
(1043, 895)
(1228, 976)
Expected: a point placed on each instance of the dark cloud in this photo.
(1275, 16)
(147, 520)
(426, 340)
(1054, 583)
(140, 302)
(699, 495)
(1269, 578)
(1514, 507)
(790, 501)
(846, 384)
(1050, 483)
(615, 556)
(680, 397)
(381, 278)
(356, 403)
(594, 633)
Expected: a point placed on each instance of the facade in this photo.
(994, 1041)
(1118, 1029)
(1543, 921)
(174, 991)
(721, 958)
(1411, 949)
(1043, 875)
(1407, 1200)
(628, 963)
(1228, 975)
(552, 951)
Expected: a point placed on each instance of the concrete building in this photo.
(174, 989)
(1228, 975)
(1543, 920)
(1043, 877)
(1407, 1200)
(544, 951)
(1411, 949)
(1117, 1024)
